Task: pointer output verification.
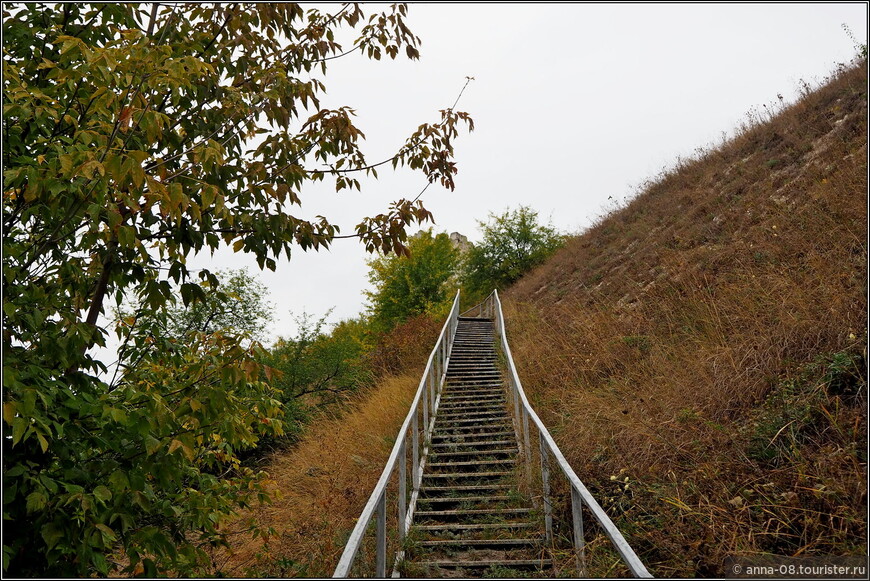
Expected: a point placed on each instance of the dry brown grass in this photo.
(709, 338)
(407, 346)
(320, 487)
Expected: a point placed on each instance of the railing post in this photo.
(527, 449)
(579, 540)
(436, 363)
(440, 365)
(415, 454)
(425, 399)
(526, 438)
(545, 485)
(443, 366)
(447, 347)
(403, 487)
(381, 559)
(516, 395)
(433, 385)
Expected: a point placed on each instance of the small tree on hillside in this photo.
(513, 243)
(414, 284)
(237, 305)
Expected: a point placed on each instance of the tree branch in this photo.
(154, 8)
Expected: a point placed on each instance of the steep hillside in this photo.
(318, 489)
(709, 342)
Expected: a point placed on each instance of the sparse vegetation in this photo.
(710, 339)
(319, 487)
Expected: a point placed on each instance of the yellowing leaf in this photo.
(35, 501)
(208, 196)
(9, 412)
(102, 493)
(19, 427)
(43, 443)
(152, 444)
(175, 445)
(92, 167)
(107, 532)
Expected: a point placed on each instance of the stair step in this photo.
(467, 488)
(457, 499)
(473, 392)
(478, 390)
(472, 463)
(472, 512)
(450, 407)
(466, 439)
(472, 408)
(482, 426)
(476, 429)
(475, 526)
(463, 419)
(459, 475)
(507, 563)
(471, 444)
(481, 542)
(477, 452)
(477, 410)
(455, 382)
(456, 392)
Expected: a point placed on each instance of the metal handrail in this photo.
(426, 403)
(580, 495)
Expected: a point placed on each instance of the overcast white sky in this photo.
(573, 103)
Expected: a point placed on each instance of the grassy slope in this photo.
(319, 488)
(708, 340)
(320, 485)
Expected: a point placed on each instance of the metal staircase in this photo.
(471, 518)
(451, 481)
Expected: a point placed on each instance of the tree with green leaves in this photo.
(513, 243)
(313, 368)
(134, 136)
(412, 284)
(237, 305)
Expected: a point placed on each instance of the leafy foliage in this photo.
(237, 306)
(134, 136)
(412, 284)
(513, 243)
(315, 368)
(141, 462)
